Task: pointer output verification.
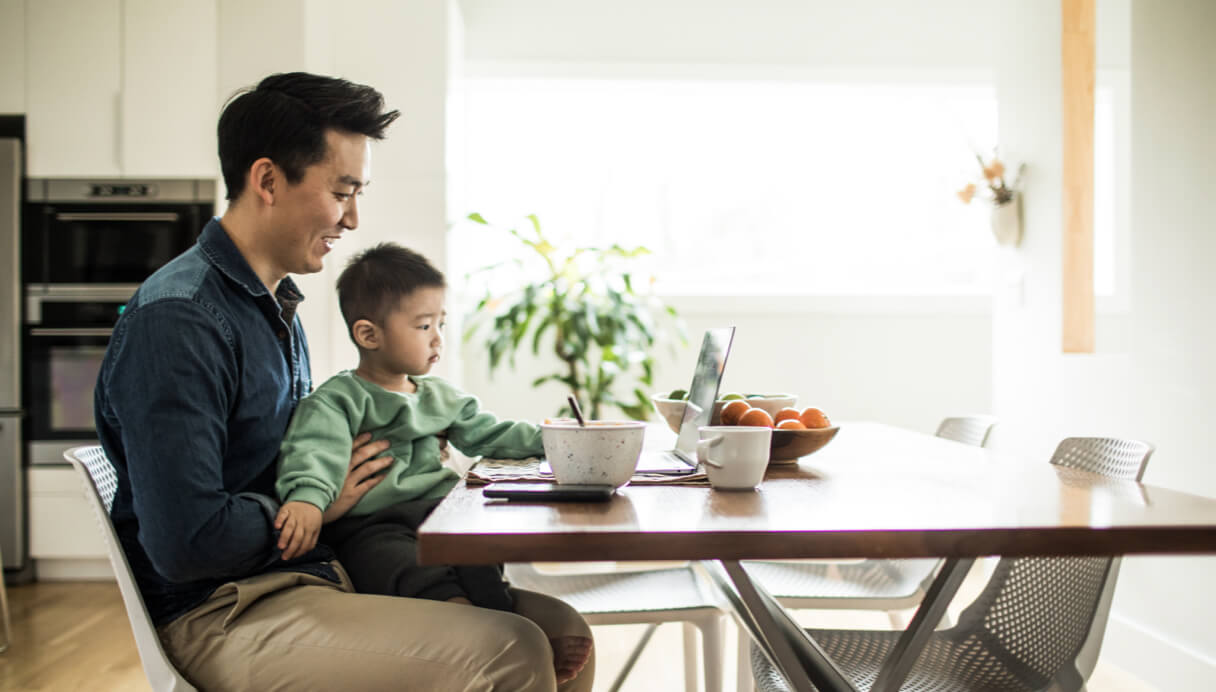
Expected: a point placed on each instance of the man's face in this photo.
(311, 215)
(412, 335)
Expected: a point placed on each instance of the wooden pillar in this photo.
(1078, 76)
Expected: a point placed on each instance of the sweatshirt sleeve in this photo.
(479, 433)
(315, 453)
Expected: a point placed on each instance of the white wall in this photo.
(908, 367)
(883, 34)
(1151, 377)
(907, 361)
(402, 50)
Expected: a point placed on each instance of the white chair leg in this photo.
(711, 656)
(744, 682)
(690, 658)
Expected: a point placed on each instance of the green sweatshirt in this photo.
(315, 453)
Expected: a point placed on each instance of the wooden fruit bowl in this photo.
(789, 445)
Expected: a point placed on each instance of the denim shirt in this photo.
(199, 381)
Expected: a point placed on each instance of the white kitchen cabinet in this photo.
(62, 525)
(12, 56)
(169, 104)
(121, 88)
(73, 78)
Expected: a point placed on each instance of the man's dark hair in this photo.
(375, 280)
(285, 117)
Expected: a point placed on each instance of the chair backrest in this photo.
(1048, 615)
(971, 430)
(100, 484)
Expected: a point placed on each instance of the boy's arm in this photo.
(479, 433)
(171, 381)
(315, 453)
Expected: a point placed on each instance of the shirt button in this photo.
(282, 334)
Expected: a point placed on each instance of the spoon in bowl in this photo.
(578, 414)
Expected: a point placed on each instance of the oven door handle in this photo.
(71, 331)
(170, 217)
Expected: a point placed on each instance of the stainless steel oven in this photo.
(89, 233)
(87, 245)
(65, 339)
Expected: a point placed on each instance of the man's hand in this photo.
(299, 524)
(362, 475)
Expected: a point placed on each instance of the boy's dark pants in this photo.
(380, 552)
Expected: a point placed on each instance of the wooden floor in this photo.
(75, 636)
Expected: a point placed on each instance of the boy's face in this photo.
(412, 335)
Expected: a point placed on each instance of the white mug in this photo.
(735, 456)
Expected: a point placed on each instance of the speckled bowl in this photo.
(604, 452)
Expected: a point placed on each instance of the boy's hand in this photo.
(299, 525)
(362, 475)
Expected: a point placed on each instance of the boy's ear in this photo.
(366, 335)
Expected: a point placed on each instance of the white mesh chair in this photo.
(890, 585)
(8, 630)
(1037, 625)
(100, 484)
(652, 597)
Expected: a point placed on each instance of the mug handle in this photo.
(703, 450)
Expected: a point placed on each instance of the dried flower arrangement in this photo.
(999, 191)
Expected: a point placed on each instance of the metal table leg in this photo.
(912, 642)
(781, 639)
(796, 655)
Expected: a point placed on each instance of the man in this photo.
(199, 381)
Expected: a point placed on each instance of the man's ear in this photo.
(366, 335)
(264, 180)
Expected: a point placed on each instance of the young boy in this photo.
(392, 301)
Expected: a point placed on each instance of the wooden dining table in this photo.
(876, 491)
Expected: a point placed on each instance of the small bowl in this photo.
(604, 452)
(772, 404)
(672, 410)
(788, 445)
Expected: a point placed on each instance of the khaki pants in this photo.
(292, 631)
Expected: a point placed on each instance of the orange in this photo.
(786, 413)
(757, 417)
(791, 424)
(814, 418)
(732, 411)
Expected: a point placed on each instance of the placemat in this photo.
(528, 471)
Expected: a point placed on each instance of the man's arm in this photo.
(171, 384)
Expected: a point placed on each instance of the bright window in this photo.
(738, 187)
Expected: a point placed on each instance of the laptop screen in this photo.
(703, 391)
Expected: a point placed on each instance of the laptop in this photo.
(702, 393)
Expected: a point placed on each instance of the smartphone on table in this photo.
(549, 492)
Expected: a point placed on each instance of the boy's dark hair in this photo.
(375, 280)
(285, 117)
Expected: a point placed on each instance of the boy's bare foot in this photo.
(460, 599)
(570, 654)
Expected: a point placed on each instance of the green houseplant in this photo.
(583, 304)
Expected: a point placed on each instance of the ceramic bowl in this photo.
(672, 410)
(789, 445)
(604, 452)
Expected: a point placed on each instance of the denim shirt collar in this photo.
(219, 249)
